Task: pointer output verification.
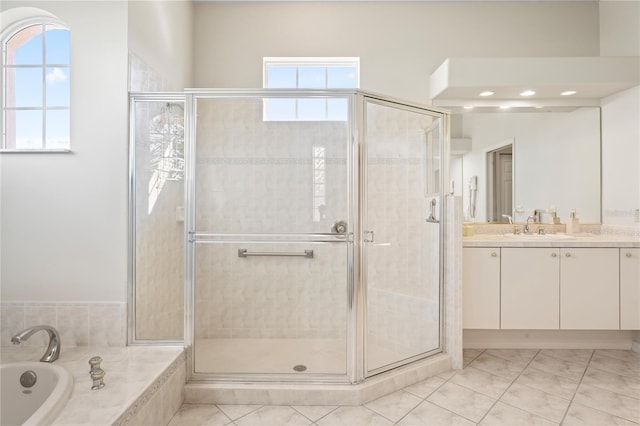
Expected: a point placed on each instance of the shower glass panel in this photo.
(270, 266)
(401, 191)
(157, 225)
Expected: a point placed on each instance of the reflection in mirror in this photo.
(555, 164)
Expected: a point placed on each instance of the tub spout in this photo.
(53, 350)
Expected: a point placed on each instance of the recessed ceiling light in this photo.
(538, 107)
(505, 107)
(486, 93)
(528, 93)
(568, 93)
(468, 107)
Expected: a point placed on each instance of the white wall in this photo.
(161, 35)
(64, 216)
(621, 157)
(399, 43)
(619, 28)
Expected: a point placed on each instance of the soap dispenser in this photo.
(573, 225)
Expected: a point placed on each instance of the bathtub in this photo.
(38, 404)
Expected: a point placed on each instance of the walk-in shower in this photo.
(312, 233)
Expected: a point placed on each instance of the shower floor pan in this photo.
(260, 356)
(255, 356)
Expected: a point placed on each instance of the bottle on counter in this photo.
(573, 224)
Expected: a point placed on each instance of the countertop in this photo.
(551, 240)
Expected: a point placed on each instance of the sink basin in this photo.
(39, 398)
(537, 237)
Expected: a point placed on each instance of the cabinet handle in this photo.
(568, 254)
(494, 254)
(554, 254)
(628, 254)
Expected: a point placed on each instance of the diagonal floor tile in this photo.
(558, 367)
(481, 381)
(622, 355)
(609, 402)
(462, 401)
(498, 366)
(517, 356)
(428, 414)
(236, 411)
(547, 382)
(426, 387)
(615, 365)
(469, 355)
(314, 412)
(351, 416)
(536, 402)
(274, 415)
(395, 405)
(623, 385)
(580, 415)
(505, 415)
(199, 415)
(579, 356)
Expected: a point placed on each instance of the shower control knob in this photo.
(339, 227)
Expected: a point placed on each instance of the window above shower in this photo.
(309, 73)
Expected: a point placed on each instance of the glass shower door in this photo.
(271, 239)
(401, 233)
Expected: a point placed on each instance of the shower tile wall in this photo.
(257, 176)
(403, 286)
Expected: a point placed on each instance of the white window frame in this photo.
(5, 36)
(300, 62)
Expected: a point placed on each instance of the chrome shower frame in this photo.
(356, 326)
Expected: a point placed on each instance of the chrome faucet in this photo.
(53, 350)
(526, 229)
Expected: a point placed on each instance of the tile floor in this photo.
(496, 387)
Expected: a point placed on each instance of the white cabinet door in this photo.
(530, 288)
(630, 289)
(481, 288)
(590, 289)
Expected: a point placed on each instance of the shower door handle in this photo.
(432, 215)
(368, 236)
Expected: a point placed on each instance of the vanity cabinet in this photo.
(530, 281)
(481, 288)
(630, 289)
(589, 289)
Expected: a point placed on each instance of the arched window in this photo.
(36, 86)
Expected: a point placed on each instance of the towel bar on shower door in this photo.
(246, 253)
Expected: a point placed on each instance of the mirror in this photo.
(525, 159)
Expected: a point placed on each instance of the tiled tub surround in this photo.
(496, 387)
(143, 385)
(95, 324)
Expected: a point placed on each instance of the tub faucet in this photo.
(53, 350)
